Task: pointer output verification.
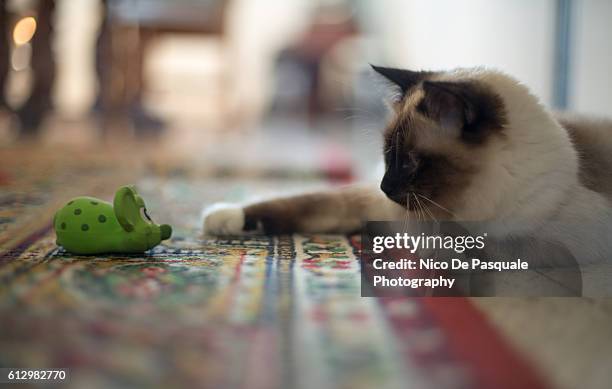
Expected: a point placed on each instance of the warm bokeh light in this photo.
(24, 30)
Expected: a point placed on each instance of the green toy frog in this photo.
(86, 225)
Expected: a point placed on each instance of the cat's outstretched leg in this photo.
(335, 211)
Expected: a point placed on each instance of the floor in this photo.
(260, 312)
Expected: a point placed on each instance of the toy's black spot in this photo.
(102, 218)
(77, 211)
(63, 226)
(94, 202)
(84, 227)
(70, 202)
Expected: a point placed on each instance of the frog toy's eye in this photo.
(145, 215)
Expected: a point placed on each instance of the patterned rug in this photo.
(257, 312)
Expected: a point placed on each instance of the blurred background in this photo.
(287, 79)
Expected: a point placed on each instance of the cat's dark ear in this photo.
(404, 79)
(463, 107)
(445, 103)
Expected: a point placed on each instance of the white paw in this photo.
(223, 219)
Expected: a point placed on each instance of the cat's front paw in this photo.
(223, 219)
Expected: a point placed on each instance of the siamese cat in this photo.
(464, 145)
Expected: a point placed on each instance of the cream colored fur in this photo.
(531, 182)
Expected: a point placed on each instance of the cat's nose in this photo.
(387, 186)
(392, 188)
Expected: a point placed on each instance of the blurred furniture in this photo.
(330, 26)
(131, 25)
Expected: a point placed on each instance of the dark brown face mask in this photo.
(467, 111)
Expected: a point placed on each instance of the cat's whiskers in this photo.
(429, 212)
(424, 215)
(416, 209)
(424, 207)
(371, 134)
(437, 205)
(420, 216)
(407, 218)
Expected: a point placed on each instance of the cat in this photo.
(465, 145)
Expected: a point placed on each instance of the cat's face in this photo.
(441, 134)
